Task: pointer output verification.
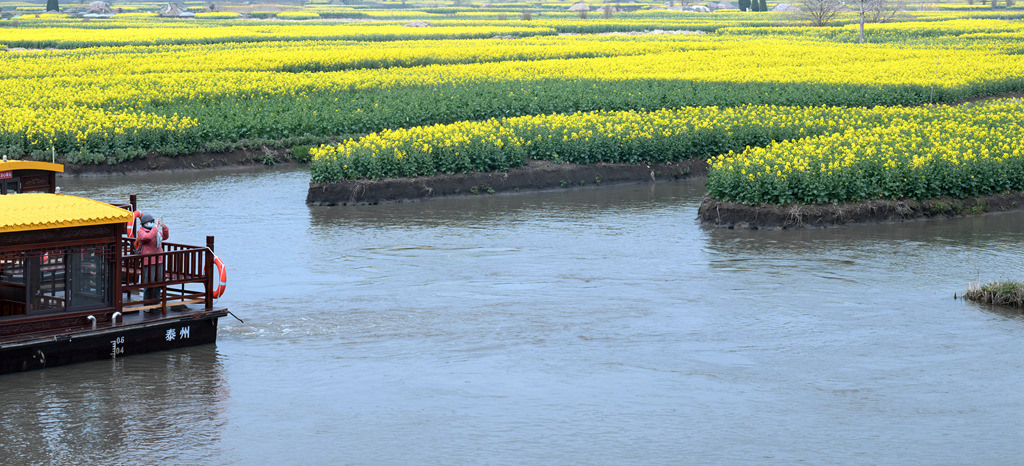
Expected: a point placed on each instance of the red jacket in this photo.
(147, 242)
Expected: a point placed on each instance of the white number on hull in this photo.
(117, 345)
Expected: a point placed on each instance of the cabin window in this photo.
(12, 284)
(89, 279)
(58, 279)
(12, 269)
(46, 292)
(10, 186)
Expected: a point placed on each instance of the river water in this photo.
(599, 326)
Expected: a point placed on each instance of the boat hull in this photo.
(109, 343)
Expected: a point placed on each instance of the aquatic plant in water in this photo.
(1004, 293)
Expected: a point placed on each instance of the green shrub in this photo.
(301, 153)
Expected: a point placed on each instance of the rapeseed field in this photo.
(783, 112)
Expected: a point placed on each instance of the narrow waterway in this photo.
(600, 326)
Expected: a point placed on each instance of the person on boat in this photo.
(150, 241)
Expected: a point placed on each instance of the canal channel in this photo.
(594, 325)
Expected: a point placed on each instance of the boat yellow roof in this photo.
(43, 211)
(30, 165)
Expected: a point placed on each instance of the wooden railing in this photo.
(183, 265)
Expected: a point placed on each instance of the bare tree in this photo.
(877, 11)
(883, 11)
(861, 5)
(821, 12)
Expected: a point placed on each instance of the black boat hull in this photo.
(109, 343)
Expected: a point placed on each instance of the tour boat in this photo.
(72, 286)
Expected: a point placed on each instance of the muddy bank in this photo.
(736, 215)
(536, 175)
(204, 160)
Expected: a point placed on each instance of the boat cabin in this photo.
(68, 262)
(58, 253)
(24, 176)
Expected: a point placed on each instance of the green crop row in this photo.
(500, 144)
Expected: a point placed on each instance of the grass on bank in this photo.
(1004, 293)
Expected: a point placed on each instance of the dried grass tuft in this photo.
(1003, 293)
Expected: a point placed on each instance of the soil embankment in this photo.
(741, 216)
(536, 175)
(197, 161)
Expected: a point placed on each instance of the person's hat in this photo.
(146, 218)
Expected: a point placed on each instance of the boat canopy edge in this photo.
(31, 165)
(43, 211)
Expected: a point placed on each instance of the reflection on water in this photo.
(576, 326)
(162, 407)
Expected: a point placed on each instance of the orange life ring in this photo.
(131, 225)
(223, 277)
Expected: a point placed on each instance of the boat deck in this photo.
(127, 319)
